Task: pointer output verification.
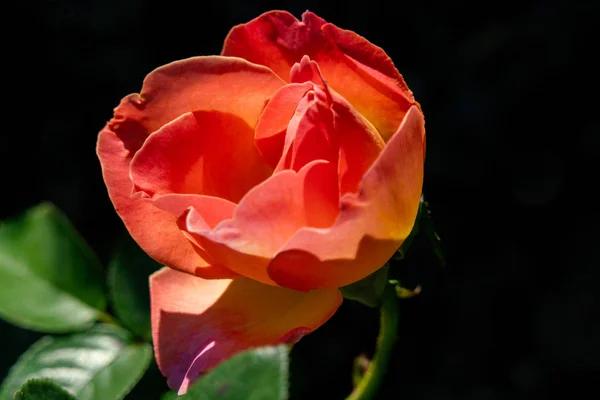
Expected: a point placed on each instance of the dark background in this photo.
(512, 147)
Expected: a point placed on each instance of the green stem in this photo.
(389, 316)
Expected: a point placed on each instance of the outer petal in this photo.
(201, 83)
(225, 84)
(367, 78)
(372, 224)
(360, 71)
(268, 216)
(204, 152)
(197, 323)
(275, 39)
(142, 219)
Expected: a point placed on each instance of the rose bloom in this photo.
(264, 179)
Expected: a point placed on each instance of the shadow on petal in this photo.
(197, 323)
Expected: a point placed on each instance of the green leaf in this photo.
(42, 389)
(368, 290)
(50, 280)
(257, 374)
(128, 274)
(99, 364)
(172, 395)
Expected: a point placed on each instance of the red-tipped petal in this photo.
(202, 83)
(372, 223)
(275, 39)
(268, 216)
(357, 69)
(205, 152)
(198, 323)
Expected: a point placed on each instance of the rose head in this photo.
(265, 179)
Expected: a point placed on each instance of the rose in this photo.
(265, 178)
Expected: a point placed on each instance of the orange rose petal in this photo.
(310, 133)
(198, 323)
(214, 210)
(275, 39)
(307, 70)
(360, 144)
(143, 219)
(366, 77)
(201, 83)
(205, 152)
(270, 131)
(357, 69)
(194, 226)
(228, 85)
(372, 223)
(324, 126)
(268, 216)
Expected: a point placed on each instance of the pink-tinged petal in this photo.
(267, 217)
(204, 152)
(213, 211)
(310, 134)
(270, 131)
(307, 71)
(357, 69)
(198, 323)
(372, 223)
(228, 85)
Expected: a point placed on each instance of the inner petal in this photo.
(272, 125)
(205, 152)
(307, 70)
(327, 127)
(310, 133)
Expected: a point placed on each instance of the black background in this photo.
(512, 124)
